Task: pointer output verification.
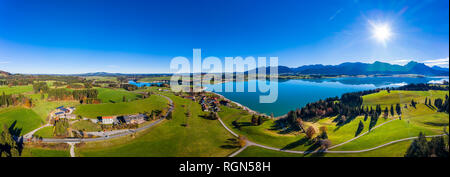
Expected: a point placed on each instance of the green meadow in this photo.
(23, 119)
(86, 125)
(16, 89)
(268, 134)
(50, 150)
(115, 95)
(46, 132)
(150, 79)
(414, 120)
(392, 150)
(154, 102)
(43, 107)
(181, 136)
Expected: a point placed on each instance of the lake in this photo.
(294, 94)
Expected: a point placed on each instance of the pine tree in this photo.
(419, 147)
(392, 110)
(398, 109)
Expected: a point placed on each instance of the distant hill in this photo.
(359, 68)
(4, 73)
(440, 68)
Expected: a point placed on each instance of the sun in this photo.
(381, 32)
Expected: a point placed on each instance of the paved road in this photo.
(250, 143)
(107, 137)
(72, 149)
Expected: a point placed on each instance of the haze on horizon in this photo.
(70, 37)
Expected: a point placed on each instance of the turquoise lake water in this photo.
(294, 94)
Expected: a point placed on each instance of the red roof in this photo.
(108, 117)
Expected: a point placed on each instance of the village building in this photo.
(132, 119)
(108, 119)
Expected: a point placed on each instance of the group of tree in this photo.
(420, 147)
(85, 96)
(257, 120)
(14, 100)
(441, 105)
(129, 87)
(8, 145)
(60, 127)
(212, 116)
(40, 87)
(75, 86)
(422, 87)
(347, 107)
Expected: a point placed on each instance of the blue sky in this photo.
(82, 36)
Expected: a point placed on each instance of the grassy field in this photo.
(115, 95)
(414, 120)
(24, 119)
(86, 125)
(101, 78)
(16, 89)
(261, 134)
(200, 138)
(267, 134)
(385, 99)
(43, 107)
(392, 150)
(154, 102)
(46, 132)
(150, 79)
(51, 150)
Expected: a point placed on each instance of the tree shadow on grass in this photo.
(282, 127)
(358, 131)
(230, 143)
(15, 133)
(319, 153)
(431, 107)
(295, 144)
(436, 124)
(313, 148)
(14, 130)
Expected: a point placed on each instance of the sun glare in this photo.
(381, 32)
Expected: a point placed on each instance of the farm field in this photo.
(414, 120)
(46, 132)
(392, 150)
(269, 135)
(22, 119)
(16, 89)
(86, 125)
(200, 138)
(115, 95)
(51, 150)
(43, 107)
(154, 102)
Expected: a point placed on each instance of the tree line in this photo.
(436, 147)
(14, 100)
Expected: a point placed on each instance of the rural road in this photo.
(72, 149)
(106, 137)
(30, 134)
(250, 143)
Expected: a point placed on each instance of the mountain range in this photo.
(356, 68)
(359, 68)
